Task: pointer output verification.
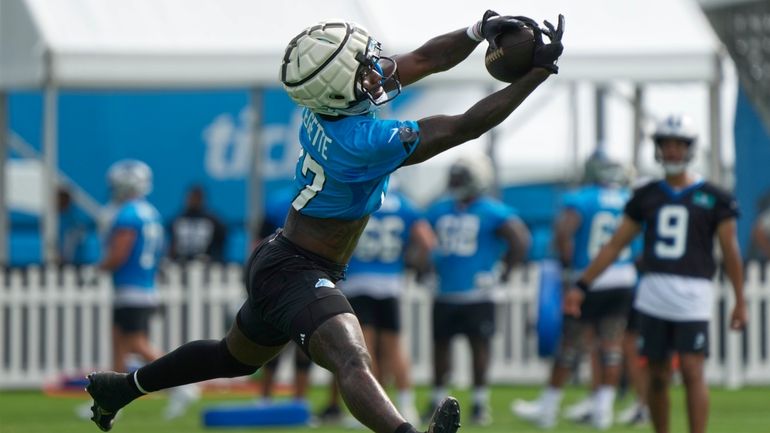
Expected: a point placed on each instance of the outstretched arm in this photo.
(438, 54)
(623, 235)
(446, 51)
(439, 133)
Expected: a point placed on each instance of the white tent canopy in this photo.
(144, 44)
(162, 43)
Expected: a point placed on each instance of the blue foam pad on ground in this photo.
(257, 414)
(549, 314)
(74, 382)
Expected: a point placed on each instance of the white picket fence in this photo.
(56, 322)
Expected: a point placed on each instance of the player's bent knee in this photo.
(232, 366)
(241, 349)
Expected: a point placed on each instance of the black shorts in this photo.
(131, 320)
(660, 338)
(377, 313)
(601, 304)
(632, 322)
(291, 292)
(473, 320)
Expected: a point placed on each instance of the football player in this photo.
(474, 233)
(335, 70)
(679, 217)
(589, 217)
(133, 249)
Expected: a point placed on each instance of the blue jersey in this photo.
(468, 244)
(345, 163)
(138, 271)
(381, 248)
(600, 210)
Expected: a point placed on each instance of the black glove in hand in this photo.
(546, 55)
(492, 24)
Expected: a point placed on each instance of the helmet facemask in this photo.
(679, 128)
(671, 168)
(374, 65)
(470, 177)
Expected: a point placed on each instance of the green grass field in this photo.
(744, 411)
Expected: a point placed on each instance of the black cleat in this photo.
(331, 415)
(110, 392)
(446, 418)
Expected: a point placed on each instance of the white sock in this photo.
(406, 398)
(481, 396)
(605, 397)
(439, 394)
(550, 399)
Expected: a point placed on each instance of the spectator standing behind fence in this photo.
(588, 218)
(474, 233)
(197, 233)
(679, 217)
(133, 248)
(374, 286)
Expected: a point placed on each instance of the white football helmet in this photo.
(129, 178)
(470, 176)
(324, 66)
(675, 127)
(601, 169)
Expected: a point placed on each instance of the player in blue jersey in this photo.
(133, 249)
(586, 222)
(475, 233)
(679, 217)
(336, 71)
(374, 285)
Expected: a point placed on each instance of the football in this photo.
(509, 55)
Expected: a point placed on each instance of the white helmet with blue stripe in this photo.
(129, 178)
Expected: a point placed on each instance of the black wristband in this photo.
(582, 285)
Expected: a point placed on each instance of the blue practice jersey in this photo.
(468, 246)
(345, 163)
(381, 248)
(138, 272)
(600, 210)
